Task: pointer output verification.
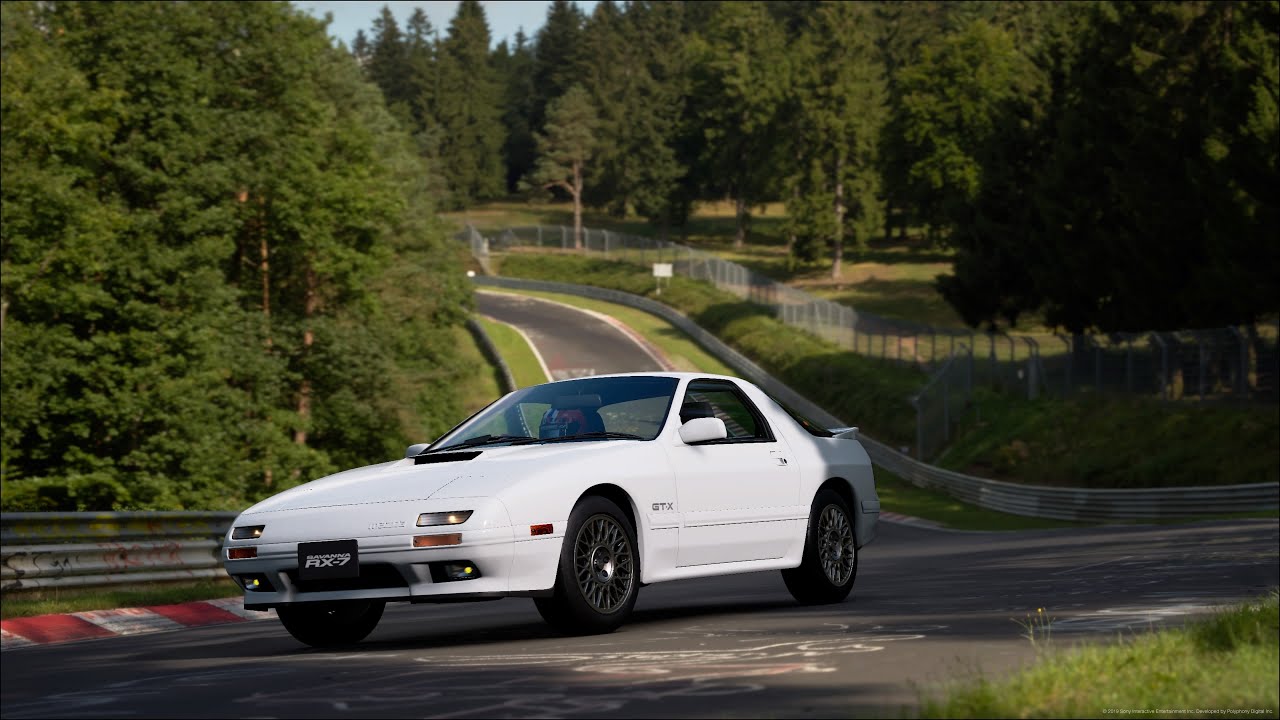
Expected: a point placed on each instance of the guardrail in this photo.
(1058, 503)
(490, 351)
(58, 550)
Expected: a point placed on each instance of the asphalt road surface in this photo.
(572, 343)
(928, 606)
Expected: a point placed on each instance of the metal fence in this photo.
(946, 387)
(1214, 364)
(56, 550)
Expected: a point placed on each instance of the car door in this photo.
(737, 498)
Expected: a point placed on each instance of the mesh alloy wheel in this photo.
(836, 551)
(604, 563)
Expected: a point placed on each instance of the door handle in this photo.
(777, 455)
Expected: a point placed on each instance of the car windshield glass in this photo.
(614, 408)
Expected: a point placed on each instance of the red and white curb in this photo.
(92, 624)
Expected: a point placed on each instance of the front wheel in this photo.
(599, 573)
(331, 624)
(830, 560)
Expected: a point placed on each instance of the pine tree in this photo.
(516, 74)
(565, 149)
(741, 70)
(839, 110)
(468, 109)
(559, 58)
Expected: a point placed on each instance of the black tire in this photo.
(598, 577)
(830, 562)
(331, 624)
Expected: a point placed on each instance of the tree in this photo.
(559, 58)
(468, 109)
(740, 72)
(566, 148)
(515, 72)
(200, 206)
(839, 111)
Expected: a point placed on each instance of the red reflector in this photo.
(437, 540)
(242, 553)
(540, 529)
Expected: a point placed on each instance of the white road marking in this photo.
(528, 341)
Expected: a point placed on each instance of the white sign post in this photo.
(662, 270)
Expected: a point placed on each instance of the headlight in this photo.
(248, 532)
(456, 517)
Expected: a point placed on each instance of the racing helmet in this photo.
(560, 422)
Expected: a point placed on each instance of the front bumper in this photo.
(390, 567)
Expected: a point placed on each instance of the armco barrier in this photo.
(1058, 503)
(490, 351)
(52, 550)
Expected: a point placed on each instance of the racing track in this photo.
(928, 605)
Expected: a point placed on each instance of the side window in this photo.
(722, 400)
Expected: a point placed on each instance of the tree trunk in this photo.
(577, 205)
(838, 240)
(744, 220)
(308, 338)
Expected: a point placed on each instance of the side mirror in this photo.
(416, 449)
(703, 429)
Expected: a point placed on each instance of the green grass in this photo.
(481, 386)
(680, 349)
(45, 602)
(1227, 662)
(1110, 441)
(511, 345)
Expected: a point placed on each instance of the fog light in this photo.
(421, 541)
(454, 571)
(242, 553)
(255, 583)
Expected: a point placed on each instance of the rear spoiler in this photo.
(850, 433)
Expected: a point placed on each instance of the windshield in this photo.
(587, 408)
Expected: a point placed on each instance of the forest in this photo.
(224, 271)
(1111, 165)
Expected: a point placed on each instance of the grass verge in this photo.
(1226, 663)
(1110, 441)
(513, 348)
(481, 386)
(66, 600)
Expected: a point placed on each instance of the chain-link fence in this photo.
(1220, 363)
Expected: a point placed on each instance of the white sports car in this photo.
(575, 493)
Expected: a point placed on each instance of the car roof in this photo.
(677, 375)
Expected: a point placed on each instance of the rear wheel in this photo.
(830, 561)
(599, 572)
(331, 624)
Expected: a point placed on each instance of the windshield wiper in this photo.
(482, 440)
(591, 436)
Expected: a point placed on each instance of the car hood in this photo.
(486, 475)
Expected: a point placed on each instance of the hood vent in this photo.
(445, 457)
